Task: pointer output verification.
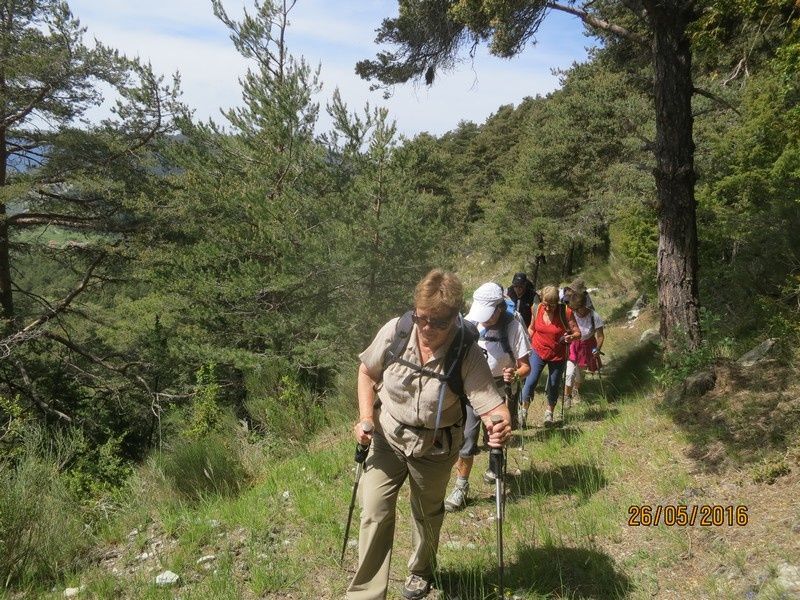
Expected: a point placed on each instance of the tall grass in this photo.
(209, 466)
(42, 534)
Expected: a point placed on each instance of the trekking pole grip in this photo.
(496, 454)
(361, 451)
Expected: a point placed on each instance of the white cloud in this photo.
(183, 35)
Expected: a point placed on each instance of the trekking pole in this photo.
(510, 395)
(512, 406)
(522, 422)
(496, 465)
(564, 380)
(360, 457)
(600, 375)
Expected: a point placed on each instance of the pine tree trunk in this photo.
(534, 278)
(6, 298)
(675, 176)
(569, 258)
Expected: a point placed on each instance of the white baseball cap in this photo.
(485, 301)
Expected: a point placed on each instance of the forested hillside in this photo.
(188, 298)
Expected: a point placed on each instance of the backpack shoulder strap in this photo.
(455, 357)
(506, 320)
(467, 335)
(564, 313)
(402, 333)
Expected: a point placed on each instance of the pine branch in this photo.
(123, 370)
(597, 23)
(29, 391)
(717, 99)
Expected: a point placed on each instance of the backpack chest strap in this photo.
(420, 369)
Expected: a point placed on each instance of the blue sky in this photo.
(184, 36)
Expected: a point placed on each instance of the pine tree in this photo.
(73, 181)
(428, 35)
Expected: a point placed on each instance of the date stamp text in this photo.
(681, 515)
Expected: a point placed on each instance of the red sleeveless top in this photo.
(546, 338)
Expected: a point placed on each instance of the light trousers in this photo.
(385, 470)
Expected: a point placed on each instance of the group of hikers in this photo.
(431, 380)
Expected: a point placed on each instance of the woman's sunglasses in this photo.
(435, 323)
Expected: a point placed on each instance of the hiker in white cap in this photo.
(504, 341)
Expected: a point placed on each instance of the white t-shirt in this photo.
(585, 324)
(496, 356)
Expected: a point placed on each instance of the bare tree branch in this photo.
(31, 330)
(30, 392)
(34, 219)
(717, 99)
(61, 197)
(598, 23)
(123, 370)
(24, 112)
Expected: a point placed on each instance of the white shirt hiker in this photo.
(496, 356)
(585, 324)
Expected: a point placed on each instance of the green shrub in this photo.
(97, 471)
(680, 362)
(209, 466)
(289, 412)
(205, 415)
(13, 421)
(41, 532)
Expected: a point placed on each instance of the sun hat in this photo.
(578, 286)
(485, 301)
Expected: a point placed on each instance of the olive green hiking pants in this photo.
(385, 470)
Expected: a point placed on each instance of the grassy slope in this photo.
(566, 534)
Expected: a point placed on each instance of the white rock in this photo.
(133, 533)
(213, 523)
(72, 592)
(637, 308)
(650, 336)
(286, 495)
(205, 559)
(789, 577)
(758, 353)
(144, 556)
(167, 578)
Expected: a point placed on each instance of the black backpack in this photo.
(466, 336)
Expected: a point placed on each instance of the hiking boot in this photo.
(415, 587)
(548, 417)
(457, 498)
(489, 477)
(568, 402)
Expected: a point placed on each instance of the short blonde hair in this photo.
(439, 292)
(550, 294)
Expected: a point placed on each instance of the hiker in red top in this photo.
(552, 327)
